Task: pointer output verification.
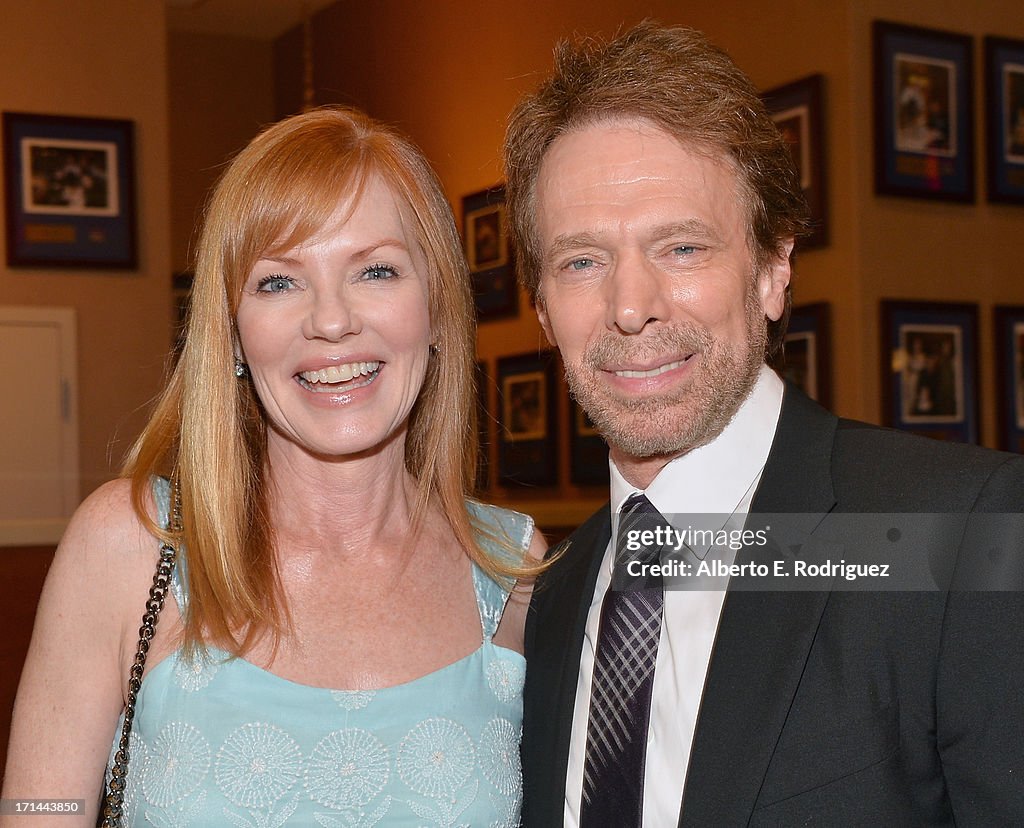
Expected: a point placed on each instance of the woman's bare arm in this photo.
(71, 690)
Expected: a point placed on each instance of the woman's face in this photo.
(336, 331)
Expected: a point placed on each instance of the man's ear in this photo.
(545, 323)
(774, 280)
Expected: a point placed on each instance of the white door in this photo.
(38, 424)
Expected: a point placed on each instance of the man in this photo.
(654, 207)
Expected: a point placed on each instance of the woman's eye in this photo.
(580, 264)
(275, 284)
(379, 271)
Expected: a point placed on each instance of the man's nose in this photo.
(637, 294)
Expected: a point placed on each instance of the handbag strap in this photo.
(113, 800)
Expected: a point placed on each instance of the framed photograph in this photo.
(924, 139)
(527, 420)
(485, 232)
(930, 368)
(798, 111)
(1009, 331)
(806, 358)
(1004, 116)
(588, 452)
(70, 191)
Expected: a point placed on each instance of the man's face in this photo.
(648, 286)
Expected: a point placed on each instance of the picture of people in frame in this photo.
(486, 243)
(931, 374)
(69, 177)
(1014, 109)
(525, 407)
(925, 100)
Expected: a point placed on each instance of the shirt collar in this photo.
(715, 477)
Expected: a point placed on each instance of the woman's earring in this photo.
(434, 349)
(241, 369)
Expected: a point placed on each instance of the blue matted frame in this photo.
(1004, 117)
(70, 191)
(1009, 335)
(930, 368)
(924, 136)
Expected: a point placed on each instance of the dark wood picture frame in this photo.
(1009, 339)
(69, 187)
(930, 368)
(806, 358)
(1004, 120)
(527, 415)
(489, 254)
(797, 109)
(923, 90)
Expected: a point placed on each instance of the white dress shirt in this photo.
(718, 478)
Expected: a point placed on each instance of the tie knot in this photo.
(642, 536)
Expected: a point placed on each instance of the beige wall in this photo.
(449, 73)
(103, 58)
(220, 92)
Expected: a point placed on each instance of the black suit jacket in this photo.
(828, 707)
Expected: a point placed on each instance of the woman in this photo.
(338, 649)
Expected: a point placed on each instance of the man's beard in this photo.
(683, 418)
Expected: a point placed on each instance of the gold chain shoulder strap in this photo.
(113, 800)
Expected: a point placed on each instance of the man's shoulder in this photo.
(898, 465)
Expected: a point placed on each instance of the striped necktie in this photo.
(620, 699)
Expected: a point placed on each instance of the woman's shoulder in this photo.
(515, 528)
(107, 510)
(106, 542)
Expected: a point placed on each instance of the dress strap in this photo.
(513, 532)
(161, 488)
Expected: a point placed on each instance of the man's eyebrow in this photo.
(692, 229)
(565, 242)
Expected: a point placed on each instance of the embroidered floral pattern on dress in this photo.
(499, 755)
(440, 751)
(180, 815)
(139, 753)
(257, 764)
(436, 758)
(347, 769)
(194, 674)
(508, 809)
(355, 819)
(178, 759)
(273, 817)
(353, 699)
(505, 678)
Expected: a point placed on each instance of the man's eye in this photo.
(580, 264)
(684, 249)
(275, 284)
(379, 271)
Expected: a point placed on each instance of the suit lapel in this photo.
(763, 637)
(555, 629)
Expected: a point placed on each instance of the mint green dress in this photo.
(223, 742)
